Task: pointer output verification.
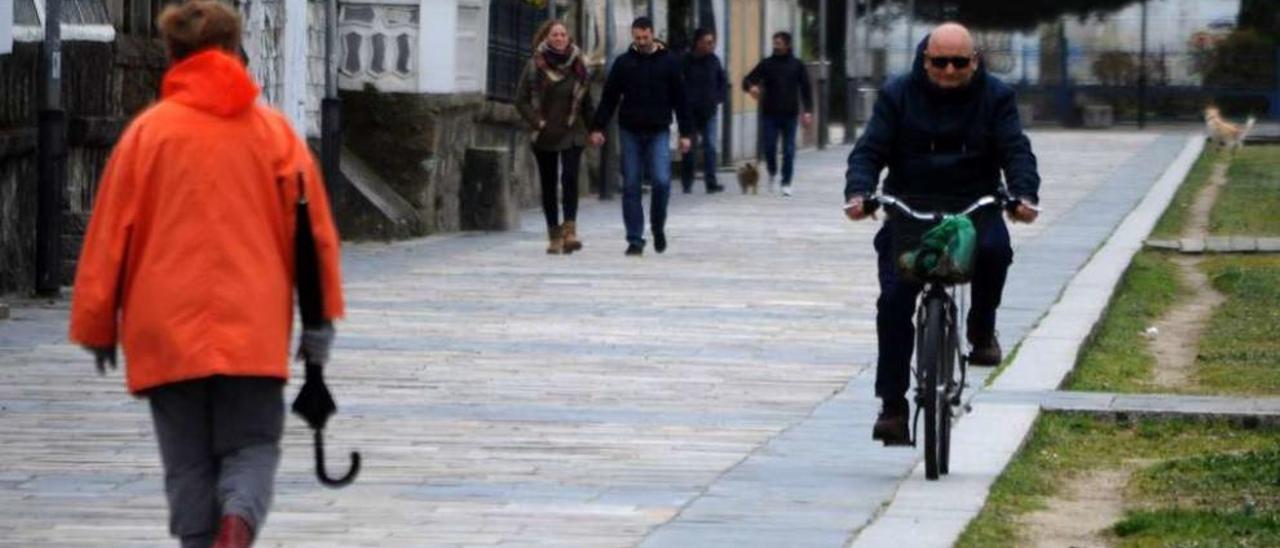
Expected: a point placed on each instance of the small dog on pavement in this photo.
(749, 178)
(1228, 135)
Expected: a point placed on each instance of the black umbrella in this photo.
(314, 402)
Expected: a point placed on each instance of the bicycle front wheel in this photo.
(929, 359)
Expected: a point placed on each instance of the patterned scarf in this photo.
(556, 66)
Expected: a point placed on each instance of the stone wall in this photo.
(419, 144)
(103, 85)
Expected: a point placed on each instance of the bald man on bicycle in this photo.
(946, 132)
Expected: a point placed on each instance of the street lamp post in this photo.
(824, 81)
(51, 157)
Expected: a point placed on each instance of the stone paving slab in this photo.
(1266, 410)
(1227, 244)
(500, 396)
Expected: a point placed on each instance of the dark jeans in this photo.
(706, 135)
(786, 126)
(895, 309)
(566, 163)
(645, 153)
(220, 445)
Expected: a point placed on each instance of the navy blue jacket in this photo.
(650, 89)
(784, 81)
(705, 84)
(944, 144)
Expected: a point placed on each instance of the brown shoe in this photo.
(555, 237)
(233, 532)
(986, 351)
(571, 242)
(891, 426)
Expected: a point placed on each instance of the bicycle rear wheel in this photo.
(929, 359)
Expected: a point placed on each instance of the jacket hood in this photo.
(212, 81)
(920, 77)
(659, 48)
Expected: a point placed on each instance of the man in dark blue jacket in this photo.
(945, 131)
(705, 84)
(647, 81)
(782, 82)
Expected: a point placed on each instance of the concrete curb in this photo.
(925, 513)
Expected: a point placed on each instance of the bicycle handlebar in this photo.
(871, 203)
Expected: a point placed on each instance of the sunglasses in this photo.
(960, 63)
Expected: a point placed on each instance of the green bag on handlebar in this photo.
(944, 254)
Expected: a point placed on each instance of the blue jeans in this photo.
(786, 125)
(641, 151)
(707, 142)
(896, 307)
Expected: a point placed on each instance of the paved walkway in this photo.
(719, 394)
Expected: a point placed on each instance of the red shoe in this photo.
(233, 532)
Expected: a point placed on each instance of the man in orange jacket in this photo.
(188, 264)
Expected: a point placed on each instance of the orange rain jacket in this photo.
(188, 260)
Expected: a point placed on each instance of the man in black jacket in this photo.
(946, 131)
(783, 81)
(647, 82)
(705, 84)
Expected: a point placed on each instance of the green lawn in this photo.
(1240, 350)
(1209, 500)
(1116, 358)
(1248, 204)
(1199, 491)
(1170, 225)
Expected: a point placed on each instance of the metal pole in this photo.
(651, 3)
(51, 158)
(911, 13)
(726, 111)
(551, 9)
(1064, 84)
(851, 72)
(1142, 72)
(331, 105)
(824, 81)
(606, 173)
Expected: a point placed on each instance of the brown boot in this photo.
(571, 242)
(233, 532)
(555, 237)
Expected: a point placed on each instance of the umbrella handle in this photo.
(323, 475)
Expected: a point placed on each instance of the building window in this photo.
(378, 46)
(512, 24)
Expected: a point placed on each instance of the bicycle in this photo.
(938, 349)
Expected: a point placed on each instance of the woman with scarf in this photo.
(554, 99)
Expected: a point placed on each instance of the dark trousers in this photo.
(220, 445)
(566, 163)
(896, 307)
(706, 135)
(784, 126)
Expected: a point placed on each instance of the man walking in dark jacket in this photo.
(647, 82)
(783, 81)
(946, 131)
(705, 84)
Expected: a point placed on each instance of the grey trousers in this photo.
(220, 445)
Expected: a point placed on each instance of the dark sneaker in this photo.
(688, 190)
(714, 189)
(659, 242)
(891, 426)
(635, 250)
(986, 351)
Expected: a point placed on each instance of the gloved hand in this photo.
(103, 356)
(313, 348)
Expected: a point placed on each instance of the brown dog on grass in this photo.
(1228, 135)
